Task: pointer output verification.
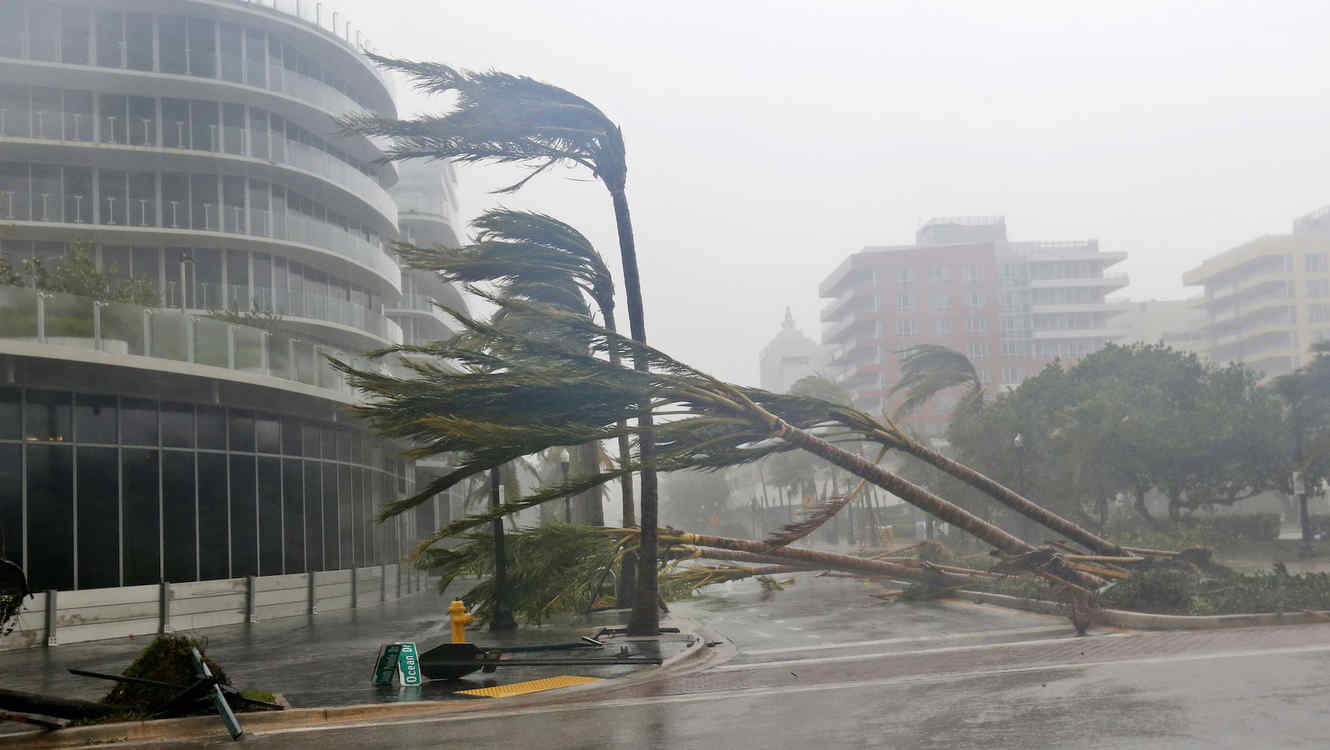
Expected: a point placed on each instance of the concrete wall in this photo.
(52, 618)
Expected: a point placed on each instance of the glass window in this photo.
(114, 197)
(44, 31)
(95, 418)
(48, 106)
(213, 520)
(142, 208)
(203, 133)
(47, 416)
(12, 33)
(313, 517)
(16, 117)
(10, 413)
(178, 425)
(202, 48)
(147, 265)
(173, 51)
(270, 516)
(138, 421)
(113, 111)
(111, 39)
(290, 437)
(293, 512)
(331, 552)
(329, 444)
(312, 440)
(269, 433)
(208, 269)
(258, 133)
(141, 129)
(346, 516)
(212, 427)
(11, 502)
(233, 60)
(256, 63)
(233, 127)
(244, 521)
(242, 431)
(203, 201)
(14, 190)
(260, 215)
(78, 116)
(175, 201)
(78, 195)
(178, 528)
(175, 123)
(233, 204)
(98, 518)
(50, 517)
(138, 41)
(142, 527)
(76, 36)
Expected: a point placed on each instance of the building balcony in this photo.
(1112, 308)
(1107, 281)
(834, 333)
(1049, 334)
(421, 306)
(310, 241)
(44, 324)
(325, 317)
(853, 301)
(298, 166)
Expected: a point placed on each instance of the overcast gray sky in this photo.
(766, 141)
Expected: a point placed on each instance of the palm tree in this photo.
(539, 257)
(507, 119)
(929, 369)
(511, 412)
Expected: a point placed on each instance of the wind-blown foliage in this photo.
(502, 118)
(929, 369)
(538, 395)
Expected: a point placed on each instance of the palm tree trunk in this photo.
(627, 580)
(1016, 502)
(645, 619)
(803, 557)
(934, 506)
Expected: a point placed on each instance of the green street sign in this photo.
(386, 666)
(408, 664)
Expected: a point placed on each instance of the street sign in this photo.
(408, 664)
(386, 666)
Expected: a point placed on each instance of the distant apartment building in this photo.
(1266, 301)
(789, 356)
(1011, 307)
(1173, 323)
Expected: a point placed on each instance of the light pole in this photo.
(1019, 443)
(564, 460)
(503, 611)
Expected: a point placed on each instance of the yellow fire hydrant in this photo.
(460, 619)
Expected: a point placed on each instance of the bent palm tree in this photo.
(530, 252)
(540, 395)
(503, 118)
(929, 369)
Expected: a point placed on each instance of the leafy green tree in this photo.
(77, 273)
(507, 119)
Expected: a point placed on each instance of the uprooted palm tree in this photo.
(929, 369)
(507, 119)
(536, 394)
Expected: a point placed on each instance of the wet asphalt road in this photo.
(823, 664)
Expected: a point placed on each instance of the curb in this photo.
(695, 656)
(1125, 618)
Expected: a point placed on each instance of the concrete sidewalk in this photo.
(327, 659)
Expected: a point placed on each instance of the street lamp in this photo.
(564, 460)
(1019, 443)
(503, 610)
(185, 260)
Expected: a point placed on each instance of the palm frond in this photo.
(929, 369)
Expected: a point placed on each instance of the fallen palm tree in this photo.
(514, 395)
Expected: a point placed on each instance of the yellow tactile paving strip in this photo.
(530, 686)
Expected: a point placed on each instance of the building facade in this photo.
(1265, 302)
(789, 356)
(194, 146)
(1011, 307)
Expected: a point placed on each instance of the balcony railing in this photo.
(237, 297)
(79, 322)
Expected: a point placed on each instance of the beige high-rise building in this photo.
(1267, 301)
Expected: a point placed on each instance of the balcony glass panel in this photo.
(69, 320)
(18, 313)
(122, 329)
(250, 345)
(210, 341)
(169, 335)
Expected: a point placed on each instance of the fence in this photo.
(53, 618)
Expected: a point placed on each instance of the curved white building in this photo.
(193, 143)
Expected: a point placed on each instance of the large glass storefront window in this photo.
(110, 490)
